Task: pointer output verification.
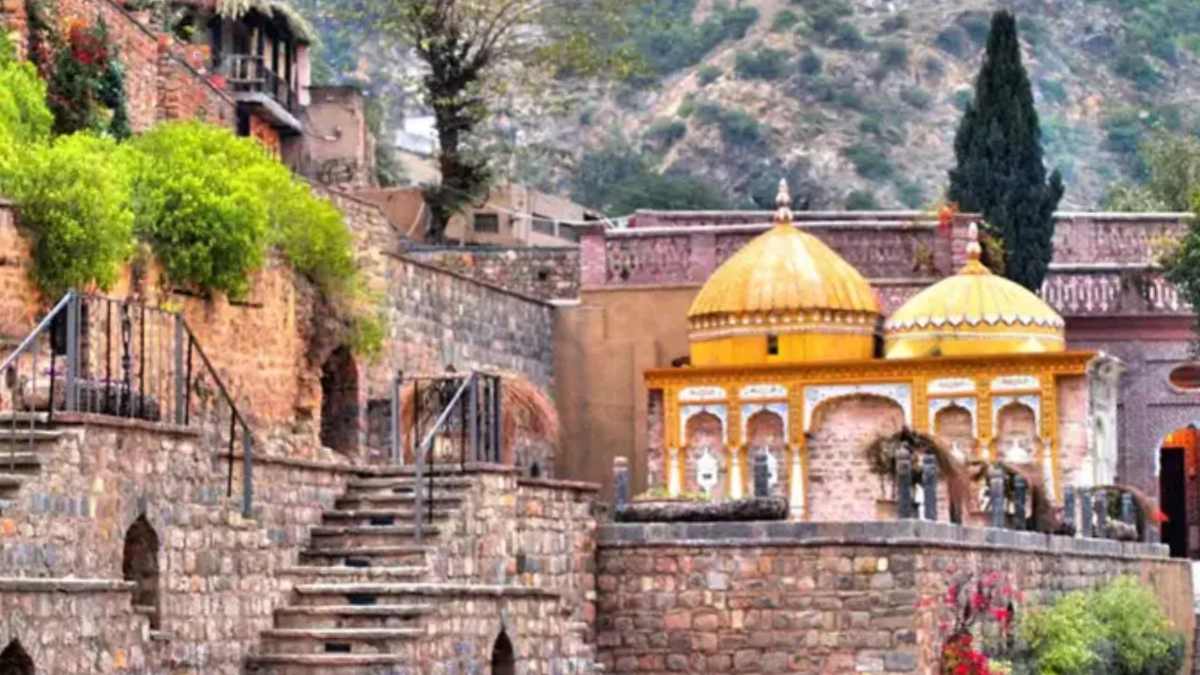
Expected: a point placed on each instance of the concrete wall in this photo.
(831, 597)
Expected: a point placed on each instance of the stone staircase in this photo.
(24, 442)
(363, 590)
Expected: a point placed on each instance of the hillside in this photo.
(857, 103)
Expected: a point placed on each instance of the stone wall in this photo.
(544, 273)
(830, 597)
(221, 576)
(18, 295)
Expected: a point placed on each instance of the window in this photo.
(487, 222)
(772, 345)
(543, 225)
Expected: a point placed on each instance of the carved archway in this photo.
(339, 402)
(504, 658)
(706, 468)
(14, 660)
(1017, 431)
(767, 429)
(954, 426)
(139, 564)
(841, 486)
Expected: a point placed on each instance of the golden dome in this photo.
(973, 312)
(785, 296)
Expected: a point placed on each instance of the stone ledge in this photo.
(94, 420)
(556, 484)
(64, 585)
(884, 534)
(423, 589)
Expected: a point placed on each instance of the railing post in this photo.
(180, 375)
(762, 475)
(1020, 488)
(72, 391)
(1128, 515)
(247, 473)
(1085, 514)
(620, 481)
(497, 417)
(929, 485)
(1102, 515)
(996, 496)
(904, 496)
(1069, 509)
(397, 452)
(473, 418)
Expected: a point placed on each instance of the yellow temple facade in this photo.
(790, 356)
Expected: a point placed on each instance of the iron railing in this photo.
(94, 355)
(248, 73)
(462, 411)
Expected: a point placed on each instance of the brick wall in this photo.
(18, 295)
(829, 597)
(544, 273)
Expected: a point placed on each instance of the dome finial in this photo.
(783, 203)
(974, 250)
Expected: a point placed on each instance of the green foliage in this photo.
(1172, 163)
(738, 128)
(24, 117)
(1135, 67)
(708, 74)
(1059, 637)
(664, 133)
(389, 172)
(893, 23)
(893, 55)
(785, 19)
(862, 200)
(999, 170)
(976, 26)
(764, 64)
(617, 179)
(810, 63)
(1053, 91)
(824, 17)
(954, 41)
(847, 36)
(74, 200)
(916, 97)
(911, 194)
(870, 161)
(933, 68)
(663, 34)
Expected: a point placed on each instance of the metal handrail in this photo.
(41, 328)
(423, 449)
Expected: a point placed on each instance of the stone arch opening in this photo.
(504, 658)
(955, 428)
(14, 660)
(140, 565)
(706, 469)
(841, 485)
(339, 402)
(1017, 435)
(765, 430)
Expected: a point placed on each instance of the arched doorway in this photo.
(15, 661)
(955, 428)
(765, 431)
(339, 402)
(841, 486)
(1177, 468)
(706, 468)
(140, 565)
(504, 659)
(1017, 435)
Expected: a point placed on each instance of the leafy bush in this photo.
(894, 23)
(869, 161)
(916, 97)
(1059, 637)
(824, 17)
(784, 20)
(953, 40)
(911, 194)
(738, 128)
(847, 36)
(24, 116)
(963, 98)
(1138, 69)
(618, 179)
(893, 55)
(934, 68)
(862, 200)
(1052, 90)
(764, 64)
(810, 63)
(708, 75)
(663, 34)
(976, 25)
(665, 133)
(74, 200)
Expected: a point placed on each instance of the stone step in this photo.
(378, 516)
(370, 594)
(347, 536)
(25, 435)
(385, 500)
(403, 484)
(10, 483)
(344, 640)
(350, 616)
(20, 461)
(375, 556)
(330, 664)
(342, 573)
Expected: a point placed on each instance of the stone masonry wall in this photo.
(544, 273)
(220, 575)
(830, 597)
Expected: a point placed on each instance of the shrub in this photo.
(976, 25)
(916, 97)
(894, 23)
(862, 200)
(934, 68)
(74, 200)
(810, 63)
(893, 55)
(1138, 69)
(24, 116)
(952, 40)
(1059, 637)
(663, 34)
(869, 161)
(784, 19)
(666, 133)
(963, 98)
(825, 17)
(847, 36)
(738, 128)
(764, 64)
(911, 194)
(1052, 90)
(708, 75)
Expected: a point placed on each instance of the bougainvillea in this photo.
(976, 620)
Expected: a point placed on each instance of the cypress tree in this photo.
(998, 148)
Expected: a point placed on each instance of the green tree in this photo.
(999, 170)
(1172, 163)
(476, 52)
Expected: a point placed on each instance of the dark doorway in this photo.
(1172, 491)
(339, 402)
(14, 660)
(503, 659)
(140, 565)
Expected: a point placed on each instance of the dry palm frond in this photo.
(881, 454)
(1147, 507)
(300, 27)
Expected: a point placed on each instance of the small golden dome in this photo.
(784, 283)
(974, 312)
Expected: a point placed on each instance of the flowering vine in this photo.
(976, 624)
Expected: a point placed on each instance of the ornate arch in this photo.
(899, 393)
